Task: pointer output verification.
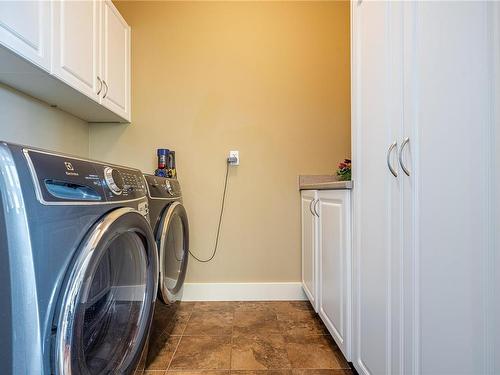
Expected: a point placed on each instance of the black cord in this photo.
(219, 225)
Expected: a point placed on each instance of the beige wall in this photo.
(28, 121)
(268, 79)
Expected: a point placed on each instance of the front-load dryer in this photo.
(169, 222)
(78, 265)
(170, 226)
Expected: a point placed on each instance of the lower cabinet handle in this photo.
(316, 207)
(401, 162)
(100, 86)
(106, 93)
(389, 152)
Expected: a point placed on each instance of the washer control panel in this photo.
(114, 180)
(163, 188)
(62, 179)
(122, 183)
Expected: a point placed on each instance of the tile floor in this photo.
(245, 338)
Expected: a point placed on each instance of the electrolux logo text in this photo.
(70, 169)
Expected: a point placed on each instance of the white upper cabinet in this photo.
(76, 54)
(28, 35)
(115, 68)
(83, 47)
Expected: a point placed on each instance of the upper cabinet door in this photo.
(25, 29)
(75, 58)
(115, 61)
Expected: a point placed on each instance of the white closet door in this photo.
(25, 29)
(449, 244)
(309, 246)
(496, 179)
(116, 61)
(376, 121)
(75, 58)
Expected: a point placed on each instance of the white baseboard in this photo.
(243, 292)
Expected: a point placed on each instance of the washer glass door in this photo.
(173, 245)
(109, 298)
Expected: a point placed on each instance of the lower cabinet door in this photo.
(309, 245)
(335, 266)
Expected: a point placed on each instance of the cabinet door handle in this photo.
(100, 85)
(316, 207)
(389, 152)
(106, 92)
(401, 162)
(310, 206)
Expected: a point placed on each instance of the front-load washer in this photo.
(78, 265)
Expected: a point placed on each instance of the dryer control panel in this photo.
(61, 179)
(162, 187)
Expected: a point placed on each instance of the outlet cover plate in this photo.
(235, 154)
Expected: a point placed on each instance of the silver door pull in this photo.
(106, 85)
(316, 207)
(401, 162)
(310, 207)
(389, 152)
(100, 86)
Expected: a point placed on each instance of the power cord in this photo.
(220, 221)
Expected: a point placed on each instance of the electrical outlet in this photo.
(234, 158)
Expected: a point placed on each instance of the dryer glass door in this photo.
(173, 245)
(108, 299)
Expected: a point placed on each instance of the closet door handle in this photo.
(316, 207)
(401, 162)
(106, 85)
(389, 152)
(310, 206)
(100, 85)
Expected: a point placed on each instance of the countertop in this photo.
(323, 182)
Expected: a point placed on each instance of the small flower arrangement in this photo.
(344, 171)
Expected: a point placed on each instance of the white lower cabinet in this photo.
(334, 265)
(326, 260)
(309, 246)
